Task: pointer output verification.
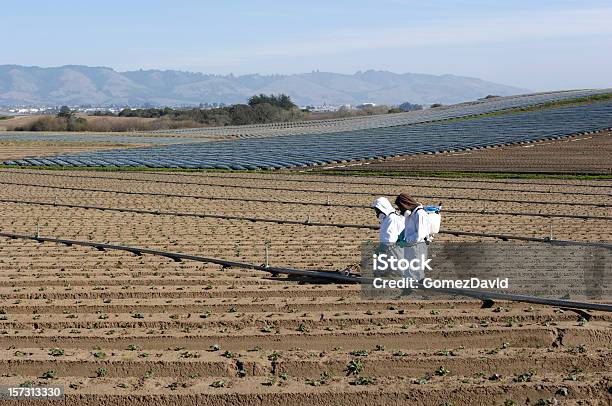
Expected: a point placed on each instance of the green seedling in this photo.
(56, 352)
(362, 380)
(355, 367)
(442, 371)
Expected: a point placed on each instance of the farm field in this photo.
(24, 149)
(464, 127)
(467, 109)
(580, 154)
(114, 327)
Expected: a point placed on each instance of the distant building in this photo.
(365, 105)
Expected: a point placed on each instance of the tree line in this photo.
(260, 109)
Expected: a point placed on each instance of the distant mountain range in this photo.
(75, 85)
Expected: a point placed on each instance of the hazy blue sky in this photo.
(534, 44)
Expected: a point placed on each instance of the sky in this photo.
(538, 45)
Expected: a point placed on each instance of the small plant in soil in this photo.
(275, 356)
(138, 315)
(407, 324)
(573, 375)
(359, 353)
(176, 385)
(99, 355)
(190, 354)
(56, 352)
(214, 347)
(321, 380)
(355, 367)
(524, 377)
(363, 380)
(26, 384)
(422, 380)
(49, 374)
(442, 371)
(101, 372)
(218, 384)
(545, 402)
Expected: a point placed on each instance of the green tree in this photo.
(65, 112)
(282, 100)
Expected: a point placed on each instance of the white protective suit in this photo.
(416, 231)
(416, 228)
(391, 224)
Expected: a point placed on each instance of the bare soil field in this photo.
(582, 154)
(116, 328)
(26, 149)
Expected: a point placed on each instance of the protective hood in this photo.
(383, 204)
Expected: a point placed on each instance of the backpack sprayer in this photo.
(434, 220)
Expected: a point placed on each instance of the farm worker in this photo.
(416, 231)
(416, 227)
(391, 223)
(391, 227)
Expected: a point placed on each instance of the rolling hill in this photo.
(75, 84)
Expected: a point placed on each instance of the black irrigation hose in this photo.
(335, 276)
(455, 233)
(332, 192)
(272, 178)
(179, 257)
(361, 206)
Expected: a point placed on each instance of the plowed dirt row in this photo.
(282, 187)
